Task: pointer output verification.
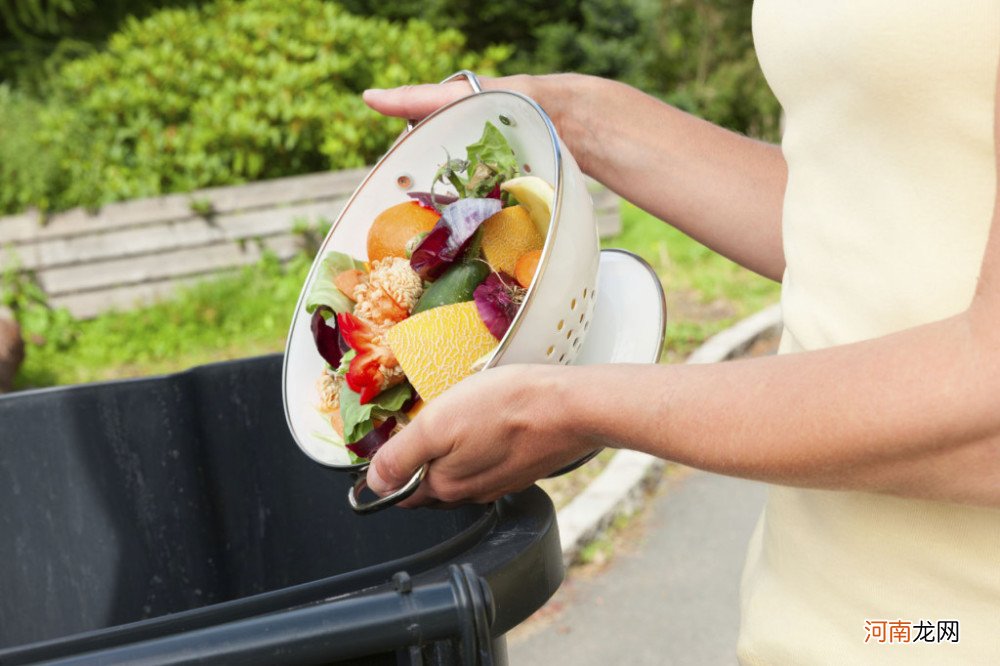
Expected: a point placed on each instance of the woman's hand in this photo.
(560, 95)
(723, 189)
(494, 433)
(416, 101)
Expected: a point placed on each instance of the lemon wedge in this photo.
(536, 195)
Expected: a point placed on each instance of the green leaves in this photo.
(491, 161)
(358, 419)
(323, 291)
(223, 93)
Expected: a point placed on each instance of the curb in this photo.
(737, 338)
(620, 488)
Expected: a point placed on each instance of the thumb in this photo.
(398, 460)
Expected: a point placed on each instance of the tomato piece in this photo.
(364, 375)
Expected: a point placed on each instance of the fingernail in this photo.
(375, 481)
(373, 92)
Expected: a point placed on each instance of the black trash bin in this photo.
(173, 520)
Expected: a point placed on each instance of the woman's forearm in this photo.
(721, 188)
(914, 414)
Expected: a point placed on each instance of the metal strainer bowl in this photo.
(553, 321)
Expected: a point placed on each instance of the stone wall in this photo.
(137, 251)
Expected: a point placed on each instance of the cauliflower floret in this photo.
(393, 375)
(389, 294)
(328, 386)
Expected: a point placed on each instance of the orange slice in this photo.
(395, 226)
(437, 347)
(507, 236)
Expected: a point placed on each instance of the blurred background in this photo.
(167, 167)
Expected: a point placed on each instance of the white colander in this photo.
(555, 317)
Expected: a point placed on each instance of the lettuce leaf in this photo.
(359, 419)
(333, 439)
(491, 161)
(323, 291)
(345, 362)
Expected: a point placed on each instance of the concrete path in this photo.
(670, 592)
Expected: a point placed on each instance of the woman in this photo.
(879, 421)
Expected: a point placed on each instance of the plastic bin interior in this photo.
(139, 508)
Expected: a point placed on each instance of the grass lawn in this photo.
(249, 313)
(235, 316)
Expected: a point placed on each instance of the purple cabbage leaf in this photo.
(451, 235)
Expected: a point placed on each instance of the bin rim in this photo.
(273, 601)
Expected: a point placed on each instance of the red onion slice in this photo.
(496, 303)
(373, 441)
(327, 337)
(432, 201)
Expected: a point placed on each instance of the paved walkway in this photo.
(669, 594)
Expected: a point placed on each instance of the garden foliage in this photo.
(222, 92)
(36, 36)
(225, 93)
(27, 175)
(695, 54)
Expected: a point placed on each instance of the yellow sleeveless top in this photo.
(891, 181)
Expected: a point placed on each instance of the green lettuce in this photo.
(323, 291)
(359, 419)
(334, 440)
(345, 362)
(491, 161)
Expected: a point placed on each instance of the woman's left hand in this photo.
(494, 433)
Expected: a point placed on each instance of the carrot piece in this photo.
(337, 422)
(347, 280)
(525, 268)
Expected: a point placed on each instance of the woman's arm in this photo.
(916, 413)
(717, 186)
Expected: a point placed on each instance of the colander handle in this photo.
(473, 83)
(397, 496)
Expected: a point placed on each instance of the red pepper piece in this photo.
(364, 375)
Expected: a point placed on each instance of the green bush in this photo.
(696, 54)
(237, 315)
(225, 92)
(228, 93)
(37, 35)
(28, 173)
(706, 64)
